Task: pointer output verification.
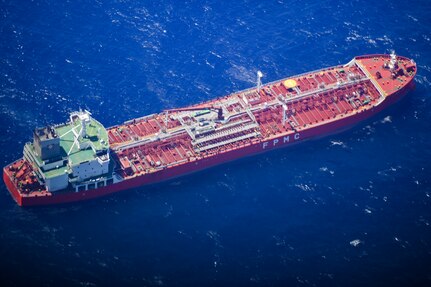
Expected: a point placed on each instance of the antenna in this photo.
(259, 80)
(83, 132)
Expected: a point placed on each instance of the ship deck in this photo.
(171, 138)
(373, 67)
(153, 143)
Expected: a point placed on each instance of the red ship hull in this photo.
(191, 167)
(317, 129)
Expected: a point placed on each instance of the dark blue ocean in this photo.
(352, 209)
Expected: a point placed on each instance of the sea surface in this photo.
(351, 209)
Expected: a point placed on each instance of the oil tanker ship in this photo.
(81, 159)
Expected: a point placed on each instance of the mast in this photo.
(259, 80)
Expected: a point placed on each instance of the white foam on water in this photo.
(337, 143)
(387, 119)
(356, 242)
(326, 169)
(304, 187)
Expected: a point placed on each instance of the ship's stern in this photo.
(11, 185)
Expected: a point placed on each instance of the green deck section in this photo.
(96, 139)
(81, 156)
(96, 136)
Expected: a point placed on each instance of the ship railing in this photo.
(163, 166)
(232, 124)
(277, 102)
(176, 162)
(185, 128)
(231, 101)
(295, 76)
(140, 119)
(131, 145)
(226, 142)
(322, 90)
(225, 133)
(149, 139)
